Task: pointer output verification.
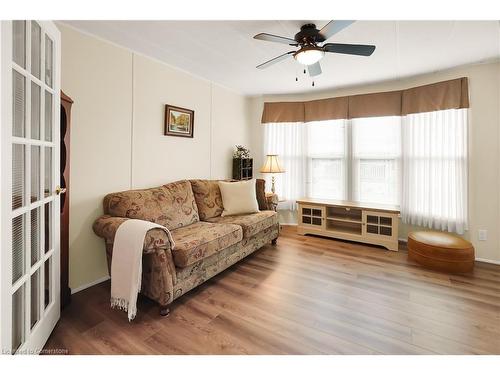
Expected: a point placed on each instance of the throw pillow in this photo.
(238, 197)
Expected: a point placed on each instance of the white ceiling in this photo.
(226, 53)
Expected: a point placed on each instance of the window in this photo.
(289, 141)
(318, 164)
(418, 161)
(376, 159)
(327, 159)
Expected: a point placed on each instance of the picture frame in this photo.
(179, 122)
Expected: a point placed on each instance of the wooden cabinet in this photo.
(242, 169)
(367, 223)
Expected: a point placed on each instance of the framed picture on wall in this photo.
(179, 122)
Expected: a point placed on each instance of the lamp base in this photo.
(272, 185)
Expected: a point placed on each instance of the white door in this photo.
(29, 144)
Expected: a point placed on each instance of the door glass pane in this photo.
(35, 173)
(48, 282)
(49, 65)
(18, 263)
(35, 111)
(18, 104)
(48, 172)
(19, 42)
(18, 169)
(36, 41)
(35, 297)
(35, 235)
(48, 116)
(48, 226)
(18, 308)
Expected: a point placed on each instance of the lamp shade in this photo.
(272, 165)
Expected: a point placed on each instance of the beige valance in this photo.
(283, 112)
(453, 94)
(326, 109)
(375, 105)
(434, 97)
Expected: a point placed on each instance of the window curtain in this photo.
(376, 159)
(289, 142)
(434, 148)
(327, 163)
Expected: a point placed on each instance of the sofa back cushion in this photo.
(171, 205)
(208, 198)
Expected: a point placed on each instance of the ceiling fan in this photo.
(311, 51)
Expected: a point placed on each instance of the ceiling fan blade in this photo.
(275, 38)
(333, 27)
(274, 61)
(349, 49)
(314, 69)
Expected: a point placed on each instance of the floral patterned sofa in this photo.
(205, 242)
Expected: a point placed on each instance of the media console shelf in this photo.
(368, 223)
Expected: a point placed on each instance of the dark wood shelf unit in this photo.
(242, 169)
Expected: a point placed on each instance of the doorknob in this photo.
(60, 190)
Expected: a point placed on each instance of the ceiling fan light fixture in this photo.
(309, 55)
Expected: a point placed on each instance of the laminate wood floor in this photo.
(307, 295)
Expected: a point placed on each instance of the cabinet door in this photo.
(312, 216)
(382, 226)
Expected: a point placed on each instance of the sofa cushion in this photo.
(170, 205)
(250, 223)
(238, 197)
(208, 198)
(200, 240)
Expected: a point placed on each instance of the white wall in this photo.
(484, 144)
(117, 140)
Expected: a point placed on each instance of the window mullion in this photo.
(349, 161)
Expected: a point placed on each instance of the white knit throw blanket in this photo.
(126, 263)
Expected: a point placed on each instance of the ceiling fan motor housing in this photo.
(309, 34)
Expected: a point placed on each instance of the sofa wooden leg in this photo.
(274, 242)
(164, 310)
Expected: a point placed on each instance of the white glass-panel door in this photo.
(29, 144)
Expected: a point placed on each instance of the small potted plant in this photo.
(241, 152)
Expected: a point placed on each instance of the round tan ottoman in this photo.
(441, 251)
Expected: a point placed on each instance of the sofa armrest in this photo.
(106, 227)
(159, 273)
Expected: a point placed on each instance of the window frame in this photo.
(350, 165)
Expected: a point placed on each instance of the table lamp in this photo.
(272, 165)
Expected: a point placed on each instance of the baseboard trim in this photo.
(291, 224)
(497, 262)
(85, 286)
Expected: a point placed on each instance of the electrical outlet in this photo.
(483, 234)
